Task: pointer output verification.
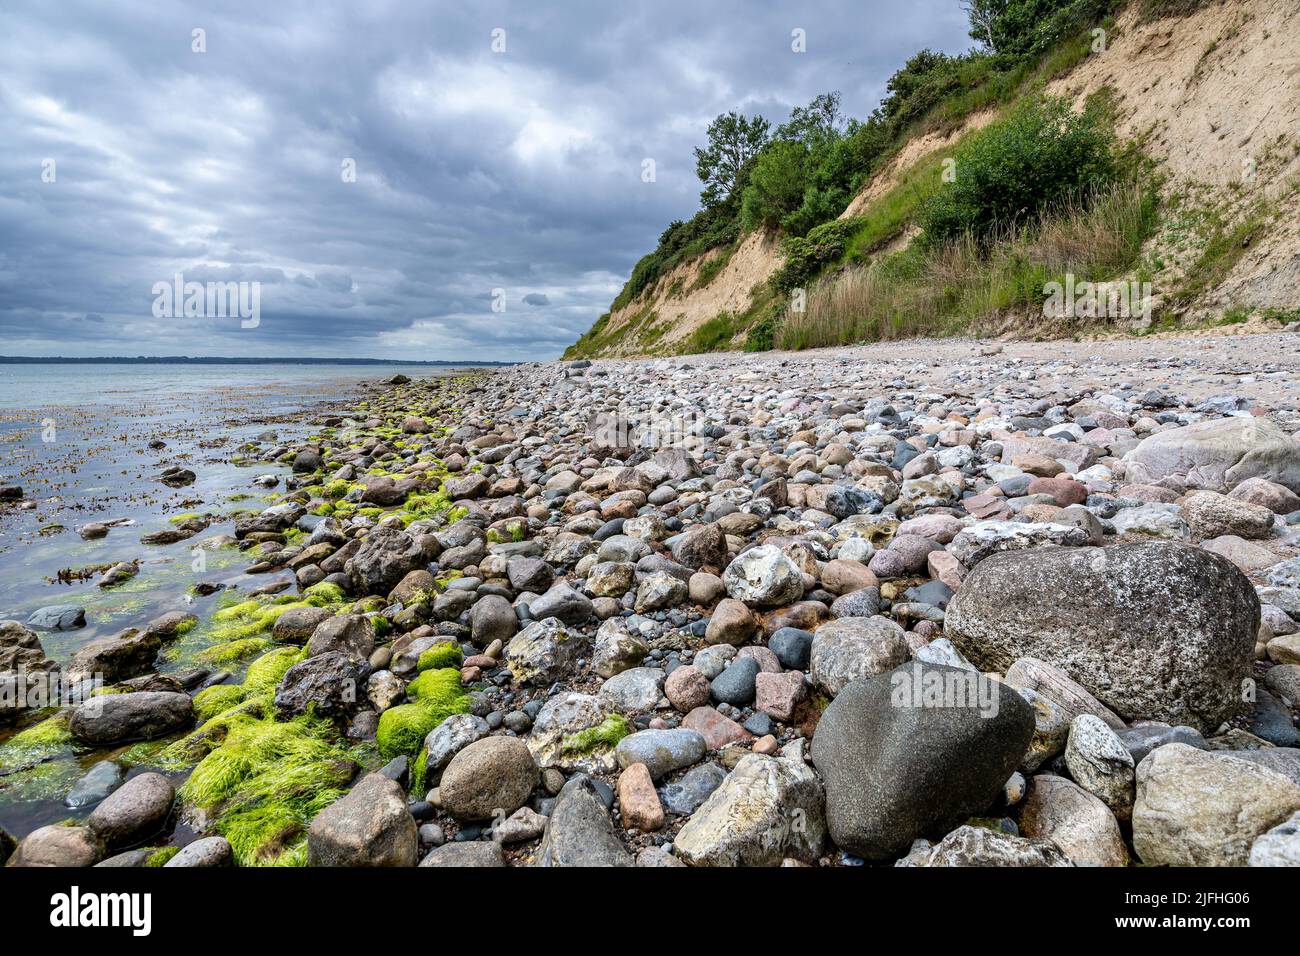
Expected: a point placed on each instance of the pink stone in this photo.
(686, 688)
(778, 694)
(717, 730)
(637, 799)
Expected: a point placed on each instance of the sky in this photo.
(401, 180)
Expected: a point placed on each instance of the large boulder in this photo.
(579, 832)
(387, 554)
(490, 776)
(1154, 630)
(370, 825)
(1204, 808)
(543, 652)
(914, 753)
(767, 809)
(117, 718)
(1217, 455)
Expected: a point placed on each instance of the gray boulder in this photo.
(117, 718)
(1217, 455)
(1154, 630)
(579, 832)
(915, 752)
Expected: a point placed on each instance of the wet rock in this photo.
(72, 846)
(135, 811)
(118, 718)
(115, 658)
(330, 684)
(58, 617)
(99, 781)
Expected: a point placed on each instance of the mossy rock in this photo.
(440, 656)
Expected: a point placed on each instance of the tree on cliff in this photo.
(734, 140)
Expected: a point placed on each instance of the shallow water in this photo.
(76, 438)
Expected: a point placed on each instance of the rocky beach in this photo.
(924, 604)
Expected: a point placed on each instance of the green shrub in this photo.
(806, 256)
(1039, 158)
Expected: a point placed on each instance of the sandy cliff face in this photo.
(1213, 97)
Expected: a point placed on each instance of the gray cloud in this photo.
(474, 171)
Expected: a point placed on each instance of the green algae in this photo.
(435, 695)
(606, 734)
(160, 856)
(233, 651)
(439, 656)
(216, 699)
(265, 783)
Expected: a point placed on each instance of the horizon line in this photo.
(246, 359)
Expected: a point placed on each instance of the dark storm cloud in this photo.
(478, 175)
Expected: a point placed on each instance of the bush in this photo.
(807, 256)
(1040, 158)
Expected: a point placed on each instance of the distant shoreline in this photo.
(230, 360)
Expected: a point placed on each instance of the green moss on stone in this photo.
(440, 656)
(160, 856)
(604, 735)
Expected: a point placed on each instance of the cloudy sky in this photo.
(129, 157)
